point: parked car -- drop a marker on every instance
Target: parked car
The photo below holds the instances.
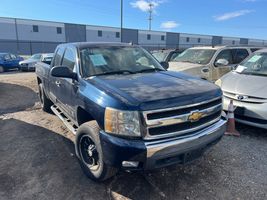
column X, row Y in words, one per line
column 210, row 63
column 29, row 64
column 247, row 87
column 166, row 55
column 126, row 111
column 9, row 61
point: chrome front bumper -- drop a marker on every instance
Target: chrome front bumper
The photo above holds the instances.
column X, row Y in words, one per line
column 174, row 150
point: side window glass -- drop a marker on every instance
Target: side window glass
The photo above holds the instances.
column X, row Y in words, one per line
column 58, row 57
column 225, row 54
column 7, row 57
column 69, row 59
column 13, row 56
column 239, row 55
column 174, row 55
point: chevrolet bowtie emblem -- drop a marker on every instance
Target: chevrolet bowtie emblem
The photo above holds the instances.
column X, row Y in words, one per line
column 195, row 116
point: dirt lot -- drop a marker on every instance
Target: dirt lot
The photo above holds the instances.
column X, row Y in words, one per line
column 38, row 162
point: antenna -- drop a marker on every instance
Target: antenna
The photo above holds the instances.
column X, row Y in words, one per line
column 150, row 14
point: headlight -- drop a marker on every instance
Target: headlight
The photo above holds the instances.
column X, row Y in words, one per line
column 121, row 122
column 219, row 82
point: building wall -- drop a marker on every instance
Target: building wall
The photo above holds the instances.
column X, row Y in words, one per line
column 130, row 35
column 230, row 41
column 172, row 40
column 7, row 29
column 190, row 40
column 256, row 42
column 109, row 34
column 75, row 33
column 156, row 37
column 47, row 31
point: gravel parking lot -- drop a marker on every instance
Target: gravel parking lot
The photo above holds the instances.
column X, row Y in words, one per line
column 38, row 161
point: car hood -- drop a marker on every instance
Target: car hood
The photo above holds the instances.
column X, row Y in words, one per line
column 250, row 85
column 157, row 90
column 28, row 61
column 186, row 67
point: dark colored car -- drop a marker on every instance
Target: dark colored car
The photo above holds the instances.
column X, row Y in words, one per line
column 127, row 111
column 166, row 55
column 9, row 61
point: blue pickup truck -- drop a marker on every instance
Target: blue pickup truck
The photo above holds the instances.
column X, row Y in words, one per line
column 9, row 61
column 126, row 110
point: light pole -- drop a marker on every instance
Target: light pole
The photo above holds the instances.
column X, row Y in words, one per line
column 121, row 18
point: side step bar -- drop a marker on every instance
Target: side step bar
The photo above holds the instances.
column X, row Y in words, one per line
column 68, row 123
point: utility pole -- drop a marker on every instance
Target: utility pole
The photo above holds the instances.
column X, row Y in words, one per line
column 121, row 19
column 150, row 15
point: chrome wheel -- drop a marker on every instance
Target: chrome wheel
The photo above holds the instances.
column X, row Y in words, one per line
column 89, row 153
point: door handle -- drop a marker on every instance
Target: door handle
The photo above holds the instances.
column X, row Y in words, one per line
column 205, row 70
column 58, row 83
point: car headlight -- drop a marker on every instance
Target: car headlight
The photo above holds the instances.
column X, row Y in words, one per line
column 122, row 122
column 219, row 82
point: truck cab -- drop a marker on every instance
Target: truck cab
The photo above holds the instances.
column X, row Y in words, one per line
column 126, row 110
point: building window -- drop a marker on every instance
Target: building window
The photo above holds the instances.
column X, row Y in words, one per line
column 99, row 33
column 162, row 37
column 117, row 34
column 35, row 28
column 187, row 39
column 233, row 42
column 198, row 40
column 59, row 30
column 148, row 37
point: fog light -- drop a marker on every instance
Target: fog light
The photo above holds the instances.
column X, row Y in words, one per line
column 130, row 164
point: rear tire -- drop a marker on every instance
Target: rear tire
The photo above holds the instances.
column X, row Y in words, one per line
column 46, row 103
column 2, row 69
column 89, row 152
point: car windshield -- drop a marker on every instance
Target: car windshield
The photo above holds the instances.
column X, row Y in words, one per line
column 199, row 56
column 254, row 65
column 117, row 60
column 36, row 56
column 160, row 55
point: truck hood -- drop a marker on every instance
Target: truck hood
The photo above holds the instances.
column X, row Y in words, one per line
column 186, row 67
column 250, row 85
column 157, row 90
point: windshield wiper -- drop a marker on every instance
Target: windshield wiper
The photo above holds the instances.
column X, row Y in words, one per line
column 115, row 72
column 149, row 70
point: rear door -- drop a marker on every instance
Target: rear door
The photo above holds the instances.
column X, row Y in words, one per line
column 55, row 86
column 14, row 61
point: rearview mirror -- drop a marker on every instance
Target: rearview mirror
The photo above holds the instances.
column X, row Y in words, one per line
column 222, row 62
column 63, row 72
column 164, row 64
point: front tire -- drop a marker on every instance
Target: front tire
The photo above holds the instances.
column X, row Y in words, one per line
column 46, row 103
column 89, row 152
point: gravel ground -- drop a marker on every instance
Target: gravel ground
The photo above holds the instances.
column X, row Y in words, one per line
column 38, row 162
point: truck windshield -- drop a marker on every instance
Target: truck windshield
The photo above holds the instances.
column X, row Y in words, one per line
column 254, row 65
column 199, row 56
column 117, row 60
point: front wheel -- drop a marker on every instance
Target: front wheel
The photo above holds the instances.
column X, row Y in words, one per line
column 89, row 152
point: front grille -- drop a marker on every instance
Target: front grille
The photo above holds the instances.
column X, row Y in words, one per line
column 177, row 121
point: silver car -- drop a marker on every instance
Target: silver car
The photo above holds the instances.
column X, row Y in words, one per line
column 247, row 87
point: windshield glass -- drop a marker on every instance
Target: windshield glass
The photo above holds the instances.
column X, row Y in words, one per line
column 36, row 56
column 254, row 65
column 199, row 56
column 160, row 55
column 115, row 59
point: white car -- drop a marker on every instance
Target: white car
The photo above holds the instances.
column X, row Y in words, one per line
column 247, row 87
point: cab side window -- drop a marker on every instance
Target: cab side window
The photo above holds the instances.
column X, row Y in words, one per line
column 58, row 57
column 13, row 56
column 69, row 59
column 239, row 55
column 225, row 54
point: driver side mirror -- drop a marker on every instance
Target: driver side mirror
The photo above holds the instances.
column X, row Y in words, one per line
column 222, row 62
column 63, row 72
column 164, row 64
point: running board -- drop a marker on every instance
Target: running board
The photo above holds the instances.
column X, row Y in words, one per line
column 68, row 123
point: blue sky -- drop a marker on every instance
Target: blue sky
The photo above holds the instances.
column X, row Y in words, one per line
column 241, row 18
